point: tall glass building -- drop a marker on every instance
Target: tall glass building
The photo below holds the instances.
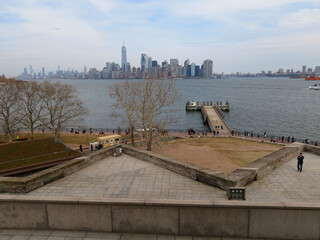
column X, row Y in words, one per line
column 123, row 58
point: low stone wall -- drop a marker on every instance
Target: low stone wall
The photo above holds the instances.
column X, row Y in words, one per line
column 238, row 178
column 38, row 179
column 200, row 218
column 311, row 149
column 205, row 175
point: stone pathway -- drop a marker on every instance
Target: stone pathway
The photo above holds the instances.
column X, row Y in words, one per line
column 286, row 184
column 24, row 234
column 128, row 177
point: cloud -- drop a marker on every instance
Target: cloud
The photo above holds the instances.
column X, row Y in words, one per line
column 74, row 33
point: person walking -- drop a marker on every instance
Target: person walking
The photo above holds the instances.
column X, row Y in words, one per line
column 300, row 162
column 80, row 147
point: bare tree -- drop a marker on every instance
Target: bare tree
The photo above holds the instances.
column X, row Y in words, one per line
column 156, row 100
column 10, row 107
column 31, row 106
column 61, row 106
column 125, row 105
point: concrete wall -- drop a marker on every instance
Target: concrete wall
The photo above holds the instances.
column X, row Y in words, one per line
column 38, row 179
column 202, row 218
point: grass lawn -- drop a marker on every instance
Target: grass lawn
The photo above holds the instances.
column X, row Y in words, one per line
column 26, row 153
column 219, row 153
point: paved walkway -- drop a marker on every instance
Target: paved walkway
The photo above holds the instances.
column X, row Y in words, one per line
column 14, row 234
column 128, row 177
column 286, row 184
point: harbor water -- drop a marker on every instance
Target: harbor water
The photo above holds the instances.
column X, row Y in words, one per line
column 278, row 106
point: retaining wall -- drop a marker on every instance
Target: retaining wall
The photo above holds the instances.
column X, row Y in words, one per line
column 238, row 178
column 38, row 179
column 202, row 218
column 311, row 149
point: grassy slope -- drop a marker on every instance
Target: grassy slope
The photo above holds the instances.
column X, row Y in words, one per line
column 32, row 152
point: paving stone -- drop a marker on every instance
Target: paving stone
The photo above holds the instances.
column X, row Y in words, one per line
column 208, row 238
column 5, row 237
column 20, row 237
column 165, row 237
column 55, row 238
column 183, row 238
column 42, row 233
column 26, row 232
column 128, row 236
column 103, row 235
column 62, row 233
column 38, row 237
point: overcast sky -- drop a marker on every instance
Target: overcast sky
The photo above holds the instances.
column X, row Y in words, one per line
column 238, row 35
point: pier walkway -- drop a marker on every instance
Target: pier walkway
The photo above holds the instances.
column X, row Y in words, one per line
column 211, row 115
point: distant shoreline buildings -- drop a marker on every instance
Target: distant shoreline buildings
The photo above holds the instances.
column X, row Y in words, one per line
column 152, row 69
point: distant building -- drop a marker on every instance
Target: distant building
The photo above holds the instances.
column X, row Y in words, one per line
column 174, row 62
column 193, row 69
column 123, row 58
column 304, row 69
column 43, row 72
column 197, row 71
column 154, row 64
column 144, row 62
column 207, row 68
column 188, row 71
column 31, row 70
column 185, row 65
column 317, row 69
column 150, row 62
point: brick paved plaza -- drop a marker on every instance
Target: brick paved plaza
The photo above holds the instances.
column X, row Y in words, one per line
column 128, row 177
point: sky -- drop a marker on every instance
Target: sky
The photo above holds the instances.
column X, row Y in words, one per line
column 238, row 35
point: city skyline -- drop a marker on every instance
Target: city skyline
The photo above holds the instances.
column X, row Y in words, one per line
column 240, row 36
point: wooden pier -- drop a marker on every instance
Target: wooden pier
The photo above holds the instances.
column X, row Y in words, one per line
column 212, row 114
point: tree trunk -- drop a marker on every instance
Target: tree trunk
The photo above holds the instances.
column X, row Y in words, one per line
column 10, row 133
column 149, row 140
column 32, row 132
column 132, row 135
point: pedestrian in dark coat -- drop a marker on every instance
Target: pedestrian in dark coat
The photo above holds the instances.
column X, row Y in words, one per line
column 300, row 162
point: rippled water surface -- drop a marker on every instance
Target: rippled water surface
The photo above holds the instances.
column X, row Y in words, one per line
column 278, row 106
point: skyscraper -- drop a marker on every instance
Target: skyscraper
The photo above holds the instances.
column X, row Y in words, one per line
column 174, row 62
column 144, row 62
column 43, row 72
column 150, row 62
column 31, row 69
column 123, row 58
column 304, row 68
column 207, row 68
